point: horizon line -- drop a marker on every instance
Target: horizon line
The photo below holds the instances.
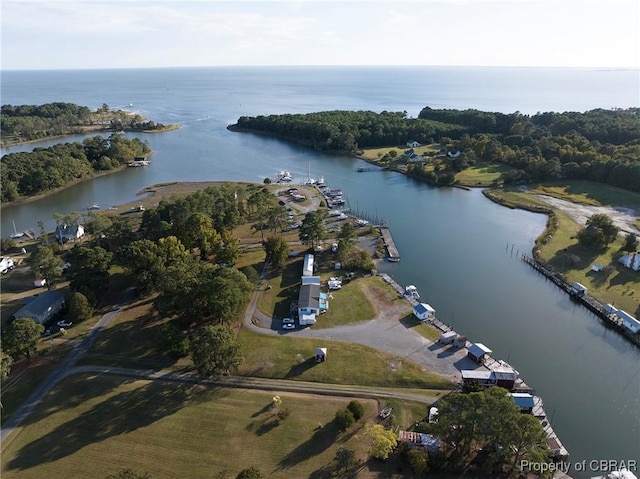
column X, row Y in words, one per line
column 583, row 67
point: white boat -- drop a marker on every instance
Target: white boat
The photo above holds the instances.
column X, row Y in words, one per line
column 16, row 234
column 412, row 292
column 94, row 207
column 320, row 181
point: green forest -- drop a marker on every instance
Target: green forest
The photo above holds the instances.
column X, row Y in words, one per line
column 599, row 145
column 43, row 169
column 34, row 122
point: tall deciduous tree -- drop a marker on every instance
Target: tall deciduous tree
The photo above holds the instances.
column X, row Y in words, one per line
column 598, row 232
column 79, row 307
column 312, row 230
column 380, row 441
column 22, row 337
column 89, row 271
column 277, row 251
column 45, row 264
column 214, row 350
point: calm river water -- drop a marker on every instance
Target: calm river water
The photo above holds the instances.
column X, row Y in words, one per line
column 458, row 248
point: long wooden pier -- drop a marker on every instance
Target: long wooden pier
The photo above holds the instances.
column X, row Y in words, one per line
column 589, row 302
column 392, row 251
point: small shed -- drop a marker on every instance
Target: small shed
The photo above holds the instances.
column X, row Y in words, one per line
column 321, row 355
column 424, row 312
column 448, row 337
column 579, row 289
column 433, row 414
column 413, row 144
column 478, row 352
column 628, row 322
column 524, row 401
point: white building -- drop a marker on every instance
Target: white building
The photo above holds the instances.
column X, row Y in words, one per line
column 424, row 312
column 6, row 264
column 307, row 268
column 628, row 321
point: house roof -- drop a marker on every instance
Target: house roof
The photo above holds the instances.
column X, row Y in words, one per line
column 476, row 374
column 309, row 296
column 523, row 400
column 478, row 349
column 39, row 304
column 311, row 280
column 423, row 308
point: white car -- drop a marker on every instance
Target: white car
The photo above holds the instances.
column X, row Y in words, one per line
column 64, row 324
column 289, row 326
column 287, row 321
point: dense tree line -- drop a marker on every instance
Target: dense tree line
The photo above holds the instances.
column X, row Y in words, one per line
column 33, row 122
column 598, row 145
column 43, row 169
column 348, row 130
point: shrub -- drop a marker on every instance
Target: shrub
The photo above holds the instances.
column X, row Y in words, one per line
column 344, row 419
column 356, row 408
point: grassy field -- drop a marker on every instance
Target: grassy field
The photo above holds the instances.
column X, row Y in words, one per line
column 293, row 358
column 616, row 284
column 374, row 154
column 589, row 193
column 481, row 175
column 90, row 426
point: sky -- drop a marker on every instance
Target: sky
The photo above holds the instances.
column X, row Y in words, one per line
column 68, row 34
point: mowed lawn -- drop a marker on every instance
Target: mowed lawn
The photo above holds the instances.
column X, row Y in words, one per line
column 91, row 426
column 282, row 357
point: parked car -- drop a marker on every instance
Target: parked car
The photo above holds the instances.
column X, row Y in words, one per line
column 289, row 326
column 64, row 324
column 287, row 321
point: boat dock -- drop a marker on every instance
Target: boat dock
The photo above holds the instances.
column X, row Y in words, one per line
column 589, row 302
column 491, row 364
column 392, row 251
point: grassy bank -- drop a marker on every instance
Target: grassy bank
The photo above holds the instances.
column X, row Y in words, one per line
column 558, row 245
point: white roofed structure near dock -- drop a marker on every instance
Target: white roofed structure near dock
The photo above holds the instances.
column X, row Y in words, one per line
column 423, row 311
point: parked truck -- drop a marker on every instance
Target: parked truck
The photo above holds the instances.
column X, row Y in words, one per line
column 6, row 264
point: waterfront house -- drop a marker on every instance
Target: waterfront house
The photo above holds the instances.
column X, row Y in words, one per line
column 307, row 267
column 42, row 307
column 501, row 377
column 424, row 312
column 524, row 401
column 413, row 144
column 478, row 352
column 631, row 261
column 66, row 233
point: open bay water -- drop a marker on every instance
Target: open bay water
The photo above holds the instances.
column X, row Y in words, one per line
column 457, row 247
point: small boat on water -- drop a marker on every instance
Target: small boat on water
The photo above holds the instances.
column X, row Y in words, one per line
column 16, row 234
column 94, row 207
column 412, row 292
column 320, row 181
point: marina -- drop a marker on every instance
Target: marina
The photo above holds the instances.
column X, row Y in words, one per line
column 489, row 366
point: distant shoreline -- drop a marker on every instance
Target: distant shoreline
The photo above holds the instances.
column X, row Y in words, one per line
column 87, row 131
